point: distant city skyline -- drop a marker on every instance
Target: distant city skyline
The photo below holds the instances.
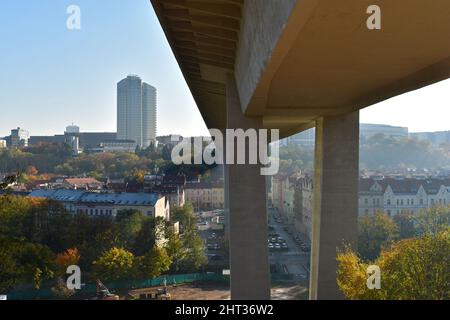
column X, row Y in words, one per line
column 52, row 76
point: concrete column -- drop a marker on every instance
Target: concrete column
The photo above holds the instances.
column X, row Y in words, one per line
column 226, row 201
column 249, row 254
column 335, row 199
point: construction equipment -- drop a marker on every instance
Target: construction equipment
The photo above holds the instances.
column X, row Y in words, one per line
column 103, row 292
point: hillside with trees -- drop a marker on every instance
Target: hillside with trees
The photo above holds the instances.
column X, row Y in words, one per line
column 377, row 152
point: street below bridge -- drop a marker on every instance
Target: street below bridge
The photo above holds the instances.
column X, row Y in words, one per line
column 294, row 260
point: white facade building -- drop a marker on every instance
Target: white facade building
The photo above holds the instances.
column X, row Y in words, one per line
column 136, row 111
column 389, row 195
column 119, row 146
column 96, row 204
column 394, row 196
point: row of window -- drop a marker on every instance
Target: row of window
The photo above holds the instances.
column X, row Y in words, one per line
column 96, row 212
column 389, row 212
column 409, row 202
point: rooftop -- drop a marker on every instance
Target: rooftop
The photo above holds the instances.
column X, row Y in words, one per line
column 134, row 199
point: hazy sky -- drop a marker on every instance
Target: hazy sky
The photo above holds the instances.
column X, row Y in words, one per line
column 51, row 76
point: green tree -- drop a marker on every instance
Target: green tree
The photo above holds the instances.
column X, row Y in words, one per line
column 146, row 237
column 185, row 216
column 10, row 271
column 193, row 257
column 129, row 224
column 38, row 263
column 433, row 220
column 375, row 232
column 154, row 263
column 115, row 264
column 405, row 224
column 411, row 269
column 23, row 262
column 175, row 250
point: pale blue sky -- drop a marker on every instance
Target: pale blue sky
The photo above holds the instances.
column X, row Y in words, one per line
column 50, row 76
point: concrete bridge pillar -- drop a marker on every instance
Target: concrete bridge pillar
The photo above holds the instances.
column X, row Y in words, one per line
column 335, row 210
column 246, row 195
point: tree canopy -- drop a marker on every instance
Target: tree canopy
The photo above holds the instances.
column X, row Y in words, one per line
column 411, row 269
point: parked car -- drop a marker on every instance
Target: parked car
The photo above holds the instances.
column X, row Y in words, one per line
column 217, row 257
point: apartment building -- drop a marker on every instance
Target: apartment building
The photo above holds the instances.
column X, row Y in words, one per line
column 169, row 186
column 97, row 204
column 292, row 197
column 402, row 194
column 205, row 195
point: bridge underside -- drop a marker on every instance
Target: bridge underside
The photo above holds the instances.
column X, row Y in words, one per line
column 297, row 64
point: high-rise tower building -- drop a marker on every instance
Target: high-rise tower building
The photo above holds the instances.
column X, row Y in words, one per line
column 19, row 138
column 136, row 111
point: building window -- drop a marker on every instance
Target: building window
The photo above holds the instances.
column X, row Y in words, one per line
column 389, row 213
column 389, row 202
